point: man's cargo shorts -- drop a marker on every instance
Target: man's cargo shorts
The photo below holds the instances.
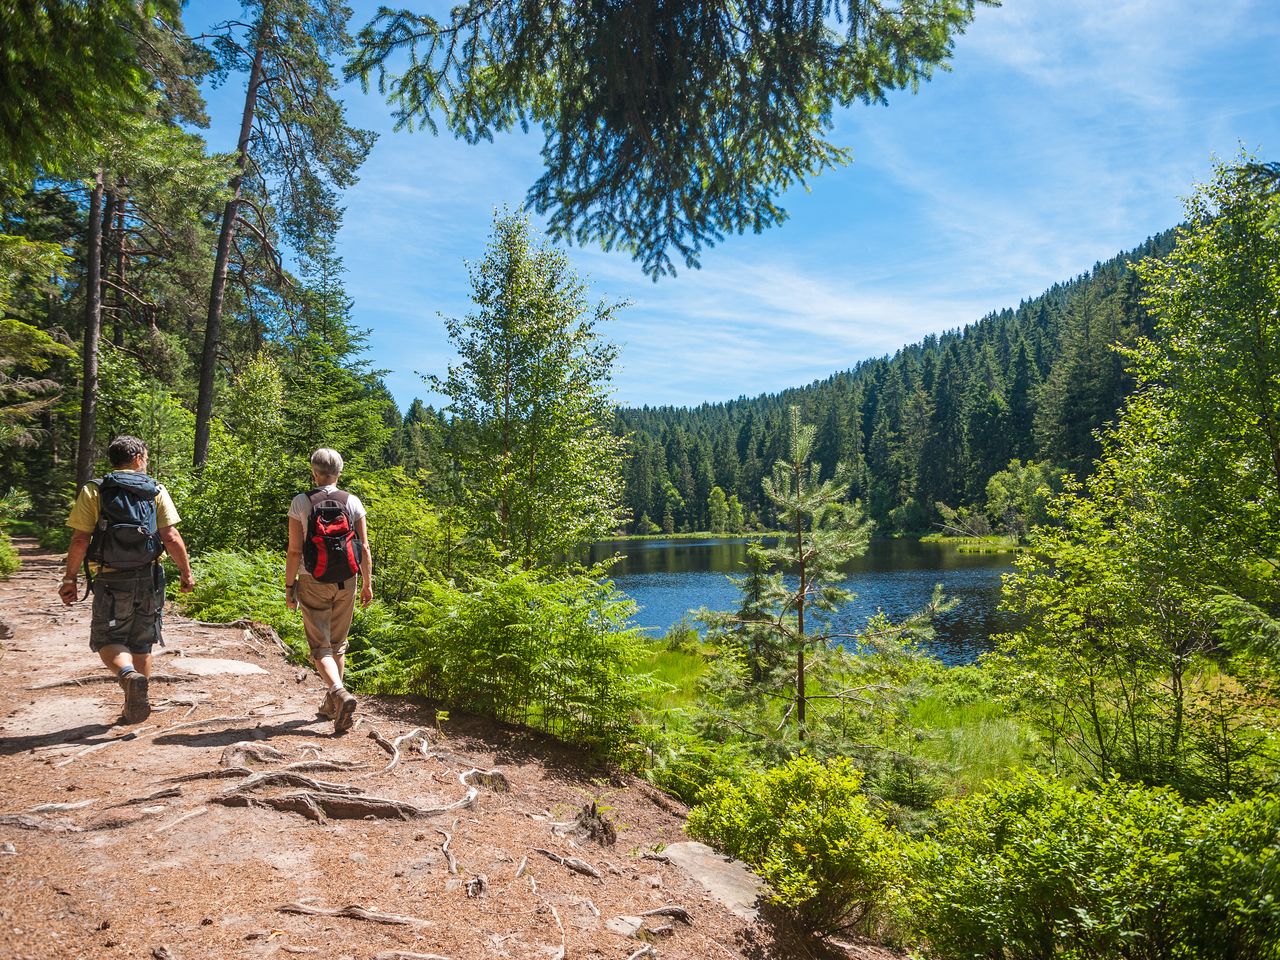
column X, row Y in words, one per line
column 127, row 609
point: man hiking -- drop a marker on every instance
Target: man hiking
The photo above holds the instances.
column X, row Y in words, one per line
column 120, row 525
column 329, row 541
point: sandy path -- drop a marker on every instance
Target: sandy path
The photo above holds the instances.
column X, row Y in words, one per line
column 115, row 878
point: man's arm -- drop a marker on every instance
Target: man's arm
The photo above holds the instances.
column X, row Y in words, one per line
column 292, row 561
column 366, row 563
column 177, row 550
column 67, row 590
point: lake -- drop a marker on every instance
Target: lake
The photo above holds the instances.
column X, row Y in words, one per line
column 666, row 578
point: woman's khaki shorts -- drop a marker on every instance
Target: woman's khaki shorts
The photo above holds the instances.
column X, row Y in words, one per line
column 326, row 614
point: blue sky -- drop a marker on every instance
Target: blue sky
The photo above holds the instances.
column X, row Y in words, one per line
column 1065, row 132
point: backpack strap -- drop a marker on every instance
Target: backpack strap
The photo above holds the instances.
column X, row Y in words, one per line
column 88, row 577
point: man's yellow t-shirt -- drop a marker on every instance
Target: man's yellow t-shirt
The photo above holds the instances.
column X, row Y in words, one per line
column 84, row 515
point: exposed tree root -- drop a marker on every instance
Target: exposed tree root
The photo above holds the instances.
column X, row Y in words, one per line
column 207, row 722
column 131, row 735
column 674, row 912
column 199, row 811
column 645, row 951
column 288, row 778
column 235, row 754
column 450, row 859
column 323, row 766
column 355, row 912
column 27, row 821
column 225, row 773
column 573, row 863
column 320, row 807
column 63, row 807
column 107, row 678
column 564, row 943
column 393, row 747
column 163, row 794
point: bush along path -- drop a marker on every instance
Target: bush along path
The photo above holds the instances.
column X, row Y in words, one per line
column 232, row 823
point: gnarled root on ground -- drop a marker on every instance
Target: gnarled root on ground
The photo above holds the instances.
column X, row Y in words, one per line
column 355, row 912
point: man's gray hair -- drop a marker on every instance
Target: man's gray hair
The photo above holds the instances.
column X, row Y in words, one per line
column 327, row 463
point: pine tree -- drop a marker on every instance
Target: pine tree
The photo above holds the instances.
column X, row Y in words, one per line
column 624, row 91
column 295, row 150
column 823, row 532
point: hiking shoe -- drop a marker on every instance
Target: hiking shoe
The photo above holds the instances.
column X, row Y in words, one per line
column 326, row 707
column 136, row 705
column 344, row 711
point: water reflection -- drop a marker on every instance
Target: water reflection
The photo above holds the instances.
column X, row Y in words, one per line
column 668, row 577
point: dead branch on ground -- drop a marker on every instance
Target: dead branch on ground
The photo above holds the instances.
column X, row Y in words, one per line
column 355, row 912
column 573, row 863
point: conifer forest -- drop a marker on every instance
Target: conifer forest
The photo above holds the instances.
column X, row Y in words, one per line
column 1102, row 781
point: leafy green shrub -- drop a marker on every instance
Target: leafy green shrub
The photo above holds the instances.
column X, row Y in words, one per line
column 1230, row 888
column 9, row 561
column 809, row 831
column 554, row 655
column 1038, row 869
column 235, row 584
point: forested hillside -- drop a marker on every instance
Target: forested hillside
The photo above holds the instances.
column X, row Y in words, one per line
column 929, row 425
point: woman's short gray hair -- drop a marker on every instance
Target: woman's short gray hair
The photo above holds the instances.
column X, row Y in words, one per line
column 327, row 463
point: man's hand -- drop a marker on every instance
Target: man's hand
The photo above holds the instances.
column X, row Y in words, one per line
column 67, row 592
column 366, row 593
column 187, row 583
column 291, row 597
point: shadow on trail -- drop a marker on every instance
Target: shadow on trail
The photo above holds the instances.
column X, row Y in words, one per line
column 226, row 737
column 81, row 736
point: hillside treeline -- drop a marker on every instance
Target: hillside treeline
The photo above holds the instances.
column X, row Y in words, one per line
column 929, row 425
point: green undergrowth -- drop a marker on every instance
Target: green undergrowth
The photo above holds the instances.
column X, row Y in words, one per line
column 9, row 561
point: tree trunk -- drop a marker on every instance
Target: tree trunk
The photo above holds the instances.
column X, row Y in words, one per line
column 213, row 325
column 92, row 331
column 117, row 241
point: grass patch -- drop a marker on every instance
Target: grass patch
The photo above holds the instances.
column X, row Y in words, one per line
column 976, row 741
column 677, row 671
column 699, row 535
column 991, row 544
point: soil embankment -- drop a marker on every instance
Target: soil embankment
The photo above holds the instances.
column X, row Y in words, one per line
column 232, row 823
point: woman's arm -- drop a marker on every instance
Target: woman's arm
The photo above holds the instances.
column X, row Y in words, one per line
column 292, row 561
column 366, row 563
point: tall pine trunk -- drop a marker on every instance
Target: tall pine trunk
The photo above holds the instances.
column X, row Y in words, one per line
column 92, row 332
column 213, row 325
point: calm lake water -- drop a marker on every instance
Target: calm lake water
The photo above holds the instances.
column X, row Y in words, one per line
column 666, row 578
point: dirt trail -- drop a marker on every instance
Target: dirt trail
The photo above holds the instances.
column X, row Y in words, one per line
column 134, row 862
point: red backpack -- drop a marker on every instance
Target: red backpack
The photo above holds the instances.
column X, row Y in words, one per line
column 331, row 552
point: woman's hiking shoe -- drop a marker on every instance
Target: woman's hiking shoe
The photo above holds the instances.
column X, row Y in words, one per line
column 344, row 710
column 326, row 707
column 136, row 705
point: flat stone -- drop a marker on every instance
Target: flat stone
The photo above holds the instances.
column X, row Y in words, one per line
column 212, row 666
column 625, row 926
column 726, row 879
